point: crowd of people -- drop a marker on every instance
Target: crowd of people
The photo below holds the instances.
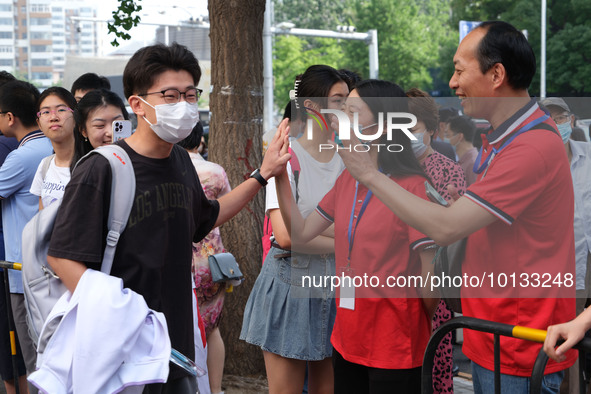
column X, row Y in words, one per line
column 520, row 201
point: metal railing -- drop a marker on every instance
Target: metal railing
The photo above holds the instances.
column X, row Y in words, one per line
column 498, row 330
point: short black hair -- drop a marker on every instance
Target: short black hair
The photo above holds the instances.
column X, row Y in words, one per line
column 463, row 125
column 445, row 114
column 504, row 44
column 351, row 77
column 193, row 140
column 578, row 134
column 5, row 76
column 90, row 81
column 150, row 62
column 20, row 98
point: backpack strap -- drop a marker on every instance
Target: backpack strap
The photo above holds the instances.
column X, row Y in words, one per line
column 122, row 197
column 45, row 166
column 546, row 126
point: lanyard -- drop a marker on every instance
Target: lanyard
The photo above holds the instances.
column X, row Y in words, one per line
column 352, row 231
column 525, row 128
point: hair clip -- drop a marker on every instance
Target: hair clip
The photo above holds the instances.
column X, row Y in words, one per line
column 293, row 94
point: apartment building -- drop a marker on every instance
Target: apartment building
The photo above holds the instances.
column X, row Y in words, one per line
column 36, row 36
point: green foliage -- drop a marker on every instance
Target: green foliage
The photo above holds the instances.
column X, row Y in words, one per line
column 411, row 36
column 569, row 62
column 314, row 14
column 293, row 55
column 568, row 49
column 124, row 18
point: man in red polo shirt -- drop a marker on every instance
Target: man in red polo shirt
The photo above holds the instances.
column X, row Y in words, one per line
column 518, row 215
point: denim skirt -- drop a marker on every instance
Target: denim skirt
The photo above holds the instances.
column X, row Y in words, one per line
column 285, row 313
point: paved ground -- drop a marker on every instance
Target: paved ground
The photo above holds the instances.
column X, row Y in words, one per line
column 242, row 385
column 255, row 385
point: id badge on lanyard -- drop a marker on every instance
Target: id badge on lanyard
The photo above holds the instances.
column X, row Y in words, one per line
column 347, row 289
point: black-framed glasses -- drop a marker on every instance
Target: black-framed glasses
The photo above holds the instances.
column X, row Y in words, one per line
column 4, row 112
column 173, row 96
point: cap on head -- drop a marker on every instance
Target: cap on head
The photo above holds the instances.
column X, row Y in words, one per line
column 556, row 101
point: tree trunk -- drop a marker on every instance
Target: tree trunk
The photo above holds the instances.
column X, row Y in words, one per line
column 235, row 142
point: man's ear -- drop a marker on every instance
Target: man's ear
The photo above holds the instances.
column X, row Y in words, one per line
column 498, row 75
column 11, row 119
column 135, row 103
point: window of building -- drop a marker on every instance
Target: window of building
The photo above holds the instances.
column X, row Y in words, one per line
column 40, row 35
column 40, row 62
column 40, row 8
column 6, row 7
column 38, row 75
column 40, row 48
column 5, row 49
column 5, row 21
column 5, row 62
column 38, row 21
column 5, row 34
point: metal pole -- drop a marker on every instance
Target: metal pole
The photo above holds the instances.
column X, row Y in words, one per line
column 268, row 68
column 497, row 362
column 374, row 64
column 167, row 35
column 543, row 52
column 11, row 330
column 29, row 54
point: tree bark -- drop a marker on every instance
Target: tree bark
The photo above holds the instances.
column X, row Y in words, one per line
column 235, row 142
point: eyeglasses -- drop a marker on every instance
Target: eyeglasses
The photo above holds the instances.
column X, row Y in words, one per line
column 46, row 113
column 173, row 96
column 560, row 119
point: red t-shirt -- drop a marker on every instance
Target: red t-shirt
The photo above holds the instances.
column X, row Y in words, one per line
column 388, row 333
column 528, row 187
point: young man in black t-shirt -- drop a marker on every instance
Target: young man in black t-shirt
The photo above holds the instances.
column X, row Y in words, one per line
column 170, row 210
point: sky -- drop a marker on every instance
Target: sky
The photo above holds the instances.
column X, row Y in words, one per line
column 153, row 12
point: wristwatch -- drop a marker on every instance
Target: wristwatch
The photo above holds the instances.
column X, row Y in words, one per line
column 256, row 174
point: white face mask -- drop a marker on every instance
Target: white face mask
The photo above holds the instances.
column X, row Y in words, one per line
column 174, row 122
column 418, row 146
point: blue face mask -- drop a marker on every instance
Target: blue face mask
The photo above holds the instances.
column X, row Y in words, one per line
column 418, row 146
column 565, row 131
